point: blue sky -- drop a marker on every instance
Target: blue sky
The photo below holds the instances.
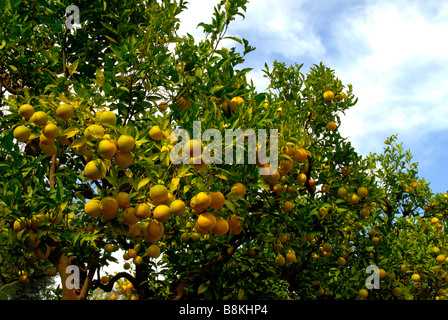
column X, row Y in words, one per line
column 394, row 53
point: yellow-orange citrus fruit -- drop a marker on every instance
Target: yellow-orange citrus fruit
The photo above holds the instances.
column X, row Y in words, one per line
column 206, row 221
column 39, row 118
column 155, row 133
column 26, row 110
column 129, row 217
column 142, row 211
column 221, row 226
column 162, row 213
column 363, row 293
column 123, row 199
column 327, row 247
column 353, row 198
column 328, row 95
column 49, row 149
column 198, row 162
column 217, row 200
column 94, row 131
column 341, row 261
column 203, row 200
column 44, row 140
column 155, row 229
column 291, row 256
column 301, row 179
column 132, row 253
column 288, row 206
column 153, row 251
column 440, row 258
column 125, row 143
column 51, row 131
column 362, row 191
column 158, row 193
column 280, row 260
column 286, row 165
column 235, row 224
column 108, row 117
column 94, row 171
column 193, row 148
column 107, row 149
column 239, row 189
column 340, row 96
column 365, row 212
column 177, row 207
column 234, row 102
column 109, row 208
column 93, row 208
column 123, row 159
column 331, row 125
column 199, row 229
column 22, row 133
column 415, row 277
column 342, row 192
column 300, row 155
column 65, row 111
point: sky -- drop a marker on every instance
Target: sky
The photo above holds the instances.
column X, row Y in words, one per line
column 394, row 53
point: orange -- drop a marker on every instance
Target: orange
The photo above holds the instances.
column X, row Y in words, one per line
column 331, row 125
column 129, row 217
column 239, row 189
column 177, row 207
column 217, row 200
column 51, row 131
column 132, row 253
column 193, row 148
column 415, row 277
column 363, row 293
column 44, row 140
column 280, row 260
column 22, row 133
column 340, row 96
column 108, row 117
column 123, row 159
column 162, row 213
column 94, row 171
column 65, row 111
column 155, row 229
column 353, row 198
column 286, row 165
column 125, row 143
column 109, row 208
column 328, row 96
column 288, row 206
column 39, row 118
column 155, row 133
column 123, row 199
column 93, row 208
column 26, row 110
column 107, row 149
column 235, row 224
column 158, row 193
column 206, row 221
column 153, row 251
column 203, row 200
column 362, row 191
column 142, row 211
column 291, row 256
column 49, row 149
column 342, row 192
column 300, row 155
column 221, row 227
column 94, row 131
column 234, row 102
column 341, row 261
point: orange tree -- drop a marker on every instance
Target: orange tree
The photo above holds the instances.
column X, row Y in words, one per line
column 89, row 123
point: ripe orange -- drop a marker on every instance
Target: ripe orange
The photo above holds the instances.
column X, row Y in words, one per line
column 341, row 261
column 132, row 253
column 365, row 212
column 239, row 189
column 203, row 200
column 440, row 258
column 234, row 102
column 342, row 192
column 217, row 200
column 235, row 224
column 193, row 148
column 177, row 207
column 22, row 133
column 107, row 149
column 162, row 213
column 291, row 256
column 158, row 193
column 39, row 118
column 280, row 260
column 340, row 96
column 301, row 179
column 155, row 133
column 51, row 131
column 123, row 159
column 94, row 171
column 142, row 211
column 49, row 149
column 331, row 125
column 65, row 111
column 155, row 229
column 94, row 131
column 415, row 277
column 153, row 251
column 300, row 155
column 328, row 96
column 108, row 117
column 362, row 191
column 44, row 140
column 92, row 208
column 125, row 143
column 353, row 198
column 221, row 226
column 129, row 217
column 363, row 293
column 288, row 206
column 26, row 110
column 206, row 221
column 123, row 199
column 109, row 208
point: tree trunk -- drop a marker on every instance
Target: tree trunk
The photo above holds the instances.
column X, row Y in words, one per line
column 61, row 262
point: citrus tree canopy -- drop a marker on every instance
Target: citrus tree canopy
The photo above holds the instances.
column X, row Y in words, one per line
column 93, row 114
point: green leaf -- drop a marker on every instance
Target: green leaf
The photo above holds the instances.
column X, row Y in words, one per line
column 202, row 288
column 100, row 77
column 72, row 68
column 142, row 183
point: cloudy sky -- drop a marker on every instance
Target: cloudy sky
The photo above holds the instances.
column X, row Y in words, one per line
column 394, row 53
